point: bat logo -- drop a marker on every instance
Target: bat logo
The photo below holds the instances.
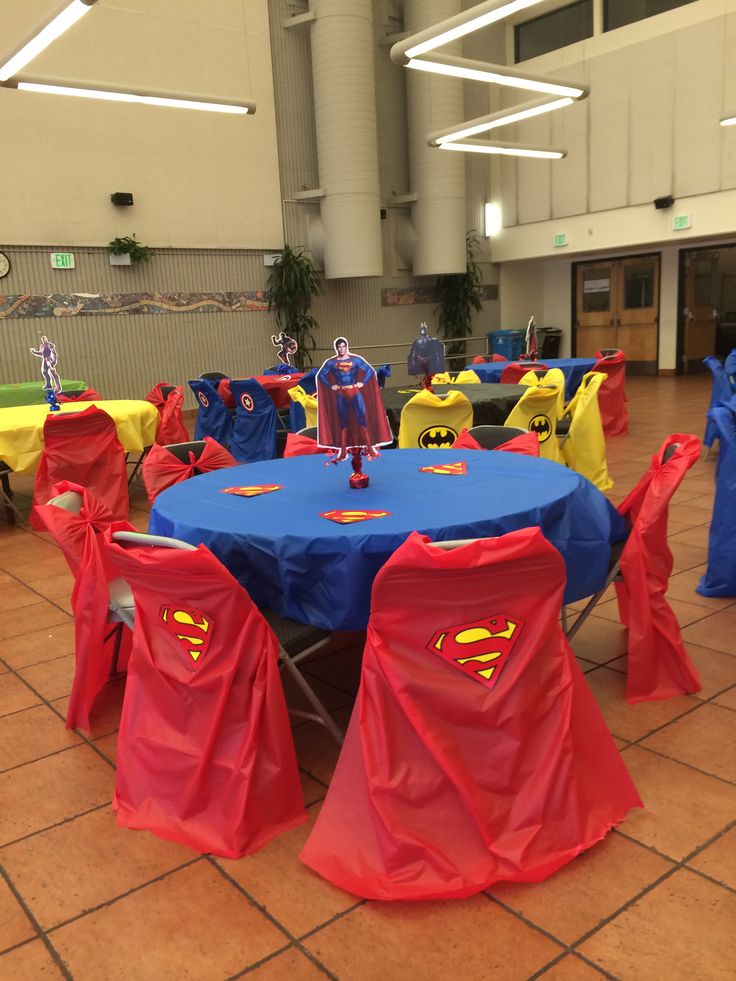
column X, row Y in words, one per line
column 191, row 628
column 437, row 438
column 252, row 490
column 247, row 402
column 204, row 401
column 452, row 469
column 541, row 425
column 479, row 649
column 350, row 517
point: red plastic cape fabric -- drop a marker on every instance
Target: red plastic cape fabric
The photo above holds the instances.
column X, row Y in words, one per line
column 171, row 428
column 297, row 445
column 84, row 447
column 658, row 666
column 526, row 444
column 475, row 752
column 515, row 371
column 205, row 754
column 78, row 536
column 612, row 394
column 88, row 395
column 161, row 469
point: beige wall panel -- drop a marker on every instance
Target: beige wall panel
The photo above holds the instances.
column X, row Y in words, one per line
column 535, row 177
column 609, row 131
column 570, row 175
column 653, row 69
column 728, row 108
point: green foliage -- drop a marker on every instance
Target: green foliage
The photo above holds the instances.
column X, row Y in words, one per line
column 130, row 245
column 458, row 295
column 292, row 283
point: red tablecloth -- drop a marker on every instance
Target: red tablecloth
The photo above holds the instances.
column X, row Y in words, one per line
column 277, row 387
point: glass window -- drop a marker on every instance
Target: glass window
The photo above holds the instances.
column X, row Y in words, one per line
column 554, row 30
column 596, row 290
column 616, row 13
column 638, row 286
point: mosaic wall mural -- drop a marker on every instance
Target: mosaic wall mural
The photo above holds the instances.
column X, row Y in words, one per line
column 406, row 295
column 96, row 304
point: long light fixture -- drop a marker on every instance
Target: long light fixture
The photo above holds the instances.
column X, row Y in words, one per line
column 728, row 121
column 497, row 119
column 506, row 149
column 146, row 99
column 481, row 71
column 46, row 36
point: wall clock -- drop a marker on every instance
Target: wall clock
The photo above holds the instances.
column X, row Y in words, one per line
column 4, row 265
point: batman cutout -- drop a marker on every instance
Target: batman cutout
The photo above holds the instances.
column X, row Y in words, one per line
column 542, row 427
column 438, row 438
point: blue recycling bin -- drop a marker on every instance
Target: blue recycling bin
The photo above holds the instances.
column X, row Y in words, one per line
column 509, row 343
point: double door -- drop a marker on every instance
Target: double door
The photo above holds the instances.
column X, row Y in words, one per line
column 617, row 306
column 700, row 316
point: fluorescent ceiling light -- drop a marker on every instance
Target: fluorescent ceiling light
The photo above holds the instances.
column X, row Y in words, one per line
column 61, row 23
column 503, row 118
column 728, row 121
column 505, row 149
column 456, row 27
column 239, row 108
column 495, row 74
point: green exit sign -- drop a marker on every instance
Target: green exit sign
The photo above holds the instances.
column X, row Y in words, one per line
column 560, row 240
column 681, row 222
column 62, row 260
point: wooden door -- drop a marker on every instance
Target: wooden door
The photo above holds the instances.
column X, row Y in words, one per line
column 700, row 314
column 595, row 291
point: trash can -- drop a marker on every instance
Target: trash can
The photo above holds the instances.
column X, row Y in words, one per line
column 549, row 342
column 509, row 343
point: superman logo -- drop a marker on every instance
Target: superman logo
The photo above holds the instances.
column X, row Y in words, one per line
column 246, row 401
column 437, row 438
column 204, row 401
column 350, row 517
column 541, row 425
column 191, row 628
column 252, row 490
column 479, row 649
column 452, row 469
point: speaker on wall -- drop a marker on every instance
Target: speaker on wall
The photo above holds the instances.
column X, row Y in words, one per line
column 666, row 202
column 124, row 198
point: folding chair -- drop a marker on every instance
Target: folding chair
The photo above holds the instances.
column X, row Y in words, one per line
column 430, row 421
column 213, row 376
column 583, row 443
column 720, row 392
column 612, row 394
column 205, row 753
column 514, row 372
column 169, row 399
column 719, row 578
column 491, row 437
column 256, row 422
column 213, row 416
column 537, row 412
column 12, row 514
column 87, row 395
column 475, row 752
column 168, row 465
column 658, row 665
column 729, row 366
column 83, row 447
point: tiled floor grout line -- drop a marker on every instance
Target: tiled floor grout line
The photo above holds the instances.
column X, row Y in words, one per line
column 257, row 964
column 56, row 957
column 50, row 827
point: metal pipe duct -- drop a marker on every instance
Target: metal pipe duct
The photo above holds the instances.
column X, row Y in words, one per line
column 438, row 179
column 343, row 78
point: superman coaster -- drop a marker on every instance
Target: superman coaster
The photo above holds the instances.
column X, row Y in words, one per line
column 350, row 517
column 253, row 490
column 451, row 469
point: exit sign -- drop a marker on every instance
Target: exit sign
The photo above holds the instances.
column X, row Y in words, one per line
column 681, row 222
column 62, row 260
column 560, row 239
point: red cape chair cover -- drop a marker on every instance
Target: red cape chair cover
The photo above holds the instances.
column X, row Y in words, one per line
column 83, row 446
column 171, row 428
column 161, row 469
column 297, row 445
column 205, row 753
column 448, row 780
column 513, row 373
column 78, row 536
column 658, row 666
column 481, row 359
column 527, row 444
column 612, row 394
column 88, row 395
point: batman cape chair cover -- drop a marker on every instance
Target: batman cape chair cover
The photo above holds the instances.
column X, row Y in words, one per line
column 612, row 394
column 432, row 421
column 475, row 752
column 205, row 753
column 84, row 447
column 720, row 574
column 256, row 422
column 162, row 468
column 169, row 400
column 720, row 392
column 303, row 411
column 466, row 377
column 95, row 643
column 658, row 665
column 584, row 446
column 537, row 412
column 213, row 416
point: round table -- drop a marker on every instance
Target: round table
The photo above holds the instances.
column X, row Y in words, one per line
column 491, row 403
column 21, row 428
column 572, row 368
column 319, row 572
column 277, row 387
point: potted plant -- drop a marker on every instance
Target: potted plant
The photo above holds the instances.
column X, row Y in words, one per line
column 458, row 295
column 126, row 250
column 292, row 282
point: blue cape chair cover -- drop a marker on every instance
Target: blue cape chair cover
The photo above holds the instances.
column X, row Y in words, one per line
column 383, row 373
column 729, row 366
column 720, row 575
column 721, row 392
column 213, row 416
column 256, row 422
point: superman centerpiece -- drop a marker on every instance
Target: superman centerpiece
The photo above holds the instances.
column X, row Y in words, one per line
column 350, row 413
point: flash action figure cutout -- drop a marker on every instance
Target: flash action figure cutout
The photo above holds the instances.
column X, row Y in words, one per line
column 46, row 351
column 350, row 413
column 426, row 357
column 286, row 347
column 530, row 343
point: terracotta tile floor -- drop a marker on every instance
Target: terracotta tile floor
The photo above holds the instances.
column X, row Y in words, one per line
column 81, row 898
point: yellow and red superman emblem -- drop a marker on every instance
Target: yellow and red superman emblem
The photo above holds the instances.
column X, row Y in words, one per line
column 191, row 628
column 479, row 649
column 453, row 469
column 252, row 490
column 349, row 517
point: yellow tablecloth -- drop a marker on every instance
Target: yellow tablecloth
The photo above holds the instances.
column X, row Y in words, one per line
column 21, row 428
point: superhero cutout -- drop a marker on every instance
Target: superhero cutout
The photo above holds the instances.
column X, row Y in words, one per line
column 350, row 413
column 530, row 343
column 286, row 347
column 426, row 357
column 46, row 351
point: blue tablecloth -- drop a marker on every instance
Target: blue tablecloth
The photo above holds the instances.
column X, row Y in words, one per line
column 316, row 571
column 572, row 368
